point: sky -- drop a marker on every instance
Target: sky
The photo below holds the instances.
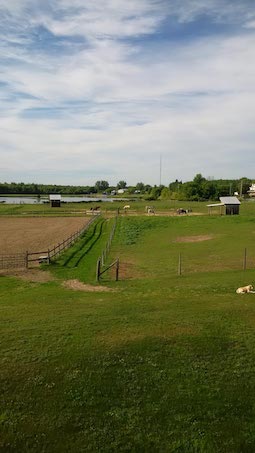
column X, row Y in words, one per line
column 108, row 89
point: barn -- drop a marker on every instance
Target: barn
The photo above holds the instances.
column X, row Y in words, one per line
column 55, row 200
column 227, row 206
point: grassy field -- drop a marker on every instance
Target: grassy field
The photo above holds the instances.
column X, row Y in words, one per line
column 162, row 206
column 106, row 207
column 158, row 363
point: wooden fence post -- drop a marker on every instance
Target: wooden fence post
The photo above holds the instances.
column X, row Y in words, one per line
column 48, row 256
column 245, row 259
column 117, row 269
column 98, row 269
column 180, row 265
column 26, row 259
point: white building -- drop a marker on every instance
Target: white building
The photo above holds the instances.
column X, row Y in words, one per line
column 251, row 190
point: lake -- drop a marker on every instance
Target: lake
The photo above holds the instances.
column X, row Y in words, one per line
column 42, row 200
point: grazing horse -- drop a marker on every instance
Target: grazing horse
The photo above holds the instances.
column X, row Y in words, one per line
column 95, row 209
column 126, row 208
column 181, row 211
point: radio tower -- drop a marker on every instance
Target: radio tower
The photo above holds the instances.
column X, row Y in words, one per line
column 160, row 169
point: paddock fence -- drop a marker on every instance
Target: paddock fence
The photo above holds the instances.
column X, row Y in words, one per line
column 244, row 260
column 25, row 260
column 101, row 262
column 17, row 261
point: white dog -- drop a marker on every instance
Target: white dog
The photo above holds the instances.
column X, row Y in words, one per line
column 245, row 289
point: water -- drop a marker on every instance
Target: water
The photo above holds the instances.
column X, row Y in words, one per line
column 42, row 200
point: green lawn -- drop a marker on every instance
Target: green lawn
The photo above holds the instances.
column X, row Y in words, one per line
column 79, row 262
column 164, row 363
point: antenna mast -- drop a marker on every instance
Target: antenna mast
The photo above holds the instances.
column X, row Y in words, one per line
column 160, row 169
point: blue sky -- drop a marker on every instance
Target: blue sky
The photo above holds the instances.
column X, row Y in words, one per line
column 102, row 89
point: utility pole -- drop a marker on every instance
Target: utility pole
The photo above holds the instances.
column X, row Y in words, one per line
column 160, row 169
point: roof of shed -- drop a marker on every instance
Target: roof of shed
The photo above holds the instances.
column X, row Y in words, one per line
column 214, row 204
column 229, row 200
column 55, row 197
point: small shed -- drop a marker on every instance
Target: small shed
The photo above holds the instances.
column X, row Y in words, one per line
column 55, row 200
column 227, row 205
column 232, row 205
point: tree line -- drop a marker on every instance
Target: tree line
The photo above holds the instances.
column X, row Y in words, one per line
column 199, row 189
column 202, row 189
column 43, row 189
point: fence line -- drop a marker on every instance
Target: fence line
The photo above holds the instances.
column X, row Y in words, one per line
column 22, row 260
column 102, row 259
column 17, row 261
column 242, row 260
column 47, row 255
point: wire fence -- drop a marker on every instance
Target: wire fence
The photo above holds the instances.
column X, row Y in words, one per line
column 101, row 262
column 24, row 260
column 244, row 260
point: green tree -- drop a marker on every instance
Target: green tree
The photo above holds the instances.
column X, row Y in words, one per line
column 198, row 180
column 101, row 186
column 243, row 185
column 165, row 194
column 194, row 190
column 140, row 186
column 209, row 190
column 121, row 185
column 155, row 193
column 147, row 188
column 175, row 186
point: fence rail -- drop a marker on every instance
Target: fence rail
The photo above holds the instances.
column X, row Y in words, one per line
column 13, row 261
column 23, row 260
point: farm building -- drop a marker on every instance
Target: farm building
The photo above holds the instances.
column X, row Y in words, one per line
column 55, row 200
column 251, row 190
column 232, row 205
column 227, row 205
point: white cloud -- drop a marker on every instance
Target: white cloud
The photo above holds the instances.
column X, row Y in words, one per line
column 250, row 24
column 117, row 105
column 219, row 10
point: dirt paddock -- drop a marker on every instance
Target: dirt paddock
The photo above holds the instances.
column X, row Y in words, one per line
column 18, row 235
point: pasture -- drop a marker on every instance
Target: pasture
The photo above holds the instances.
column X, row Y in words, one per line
column 156, row 363
column 107, row 208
